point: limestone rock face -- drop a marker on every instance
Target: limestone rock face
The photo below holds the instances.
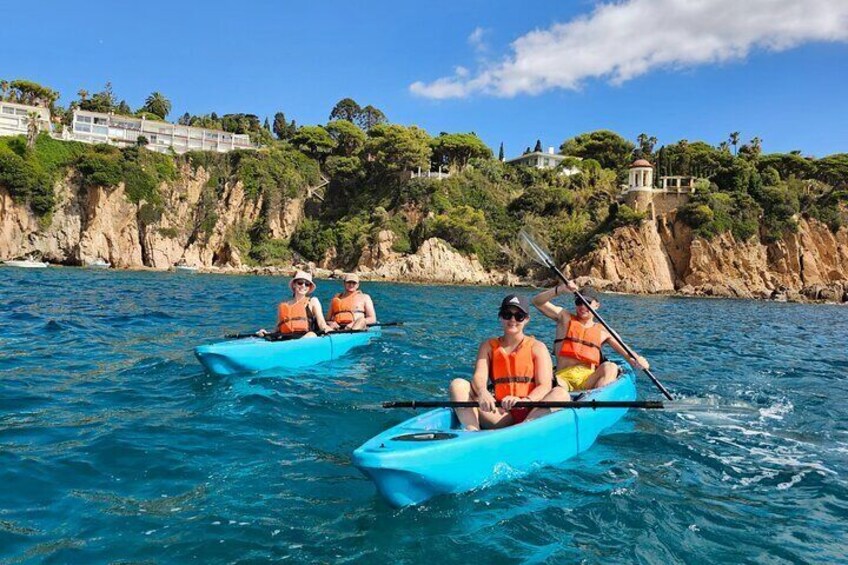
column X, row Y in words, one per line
column 283, row 224
column 101, row 223
column 434, row 262
column 665, row 256
column 380, row 253
column 109, row 228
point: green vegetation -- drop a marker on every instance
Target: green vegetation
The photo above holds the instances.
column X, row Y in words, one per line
column 30, row 173
column 367, row 162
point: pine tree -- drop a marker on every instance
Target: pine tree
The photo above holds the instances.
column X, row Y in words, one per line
column 501, row 153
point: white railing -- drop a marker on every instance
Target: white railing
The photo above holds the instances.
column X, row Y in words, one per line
column 438, row 175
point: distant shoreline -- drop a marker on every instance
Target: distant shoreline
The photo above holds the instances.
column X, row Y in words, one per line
column 327, row 275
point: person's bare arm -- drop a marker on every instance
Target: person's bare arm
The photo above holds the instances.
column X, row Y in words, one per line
column 481, row 378
column 544, row 372
column 315, row 305
column 370, row 313
column 331, row 324
column 543, row 304
column 637, row 362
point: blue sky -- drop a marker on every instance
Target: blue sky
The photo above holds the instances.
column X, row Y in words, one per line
column 548, row 70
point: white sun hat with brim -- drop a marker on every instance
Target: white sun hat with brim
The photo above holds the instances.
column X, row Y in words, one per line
column 302, row 275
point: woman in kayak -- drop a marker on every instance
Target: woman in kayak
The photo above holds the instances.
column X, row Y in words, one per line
column 301, row 313
column 518, row 367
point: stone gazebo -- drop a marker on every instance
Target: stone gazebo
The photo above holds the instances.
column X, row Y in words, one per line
column 641, row 195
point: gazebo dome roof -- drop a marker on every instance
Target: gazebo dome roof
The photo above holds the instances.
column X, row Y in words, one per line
column 640, row 163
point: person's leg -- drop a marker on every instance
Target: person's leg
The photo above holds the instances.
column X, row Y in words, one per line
column 606, row 374
column 473, row 419
column 500, row 418
column 358, row 325
column 460, row 391
column 309, row 334
column 557, row 394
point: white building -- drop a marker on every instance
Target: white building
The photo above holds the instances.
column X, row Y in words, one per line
column 14, row 118
column 96, row 127
column 540, row 160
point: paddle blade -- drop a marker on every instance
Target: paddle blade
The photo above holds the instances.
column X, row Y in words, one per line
column 535, row 250
column 712, row 406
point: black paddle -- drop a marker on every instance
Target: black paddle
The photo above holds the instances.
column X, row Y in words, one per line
column 534, row 249
column 647, row 404
column 693, row 405
column 276, row 336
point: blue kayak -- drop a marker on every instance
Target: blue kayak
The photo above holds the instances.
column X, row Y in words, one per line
column 251, row 355
column 429, row 455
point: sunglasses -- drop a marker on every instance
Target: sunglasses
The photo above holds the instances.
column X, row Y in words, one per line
column 578, row 302
column 301, row 282
column 508, row 315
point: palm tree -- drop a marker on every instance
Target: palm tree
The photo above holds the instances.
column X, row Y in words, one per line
column 83, row 94
column 4, row 88
column 757, row 145
column 157, row 104
column 724, row 147
column 33, row 128
column 734, row 140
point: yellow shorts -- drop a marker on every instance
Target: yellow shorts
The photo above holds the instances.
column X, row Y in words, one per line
column 574, row 378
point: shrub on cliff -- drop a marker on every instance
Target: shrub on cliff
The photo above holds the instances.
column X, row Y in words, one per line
column 271, row 252
column 624, row 215
column 465, row 229
column 780, row 205
column 312, row 239
column 712, row 214
column 29, row 174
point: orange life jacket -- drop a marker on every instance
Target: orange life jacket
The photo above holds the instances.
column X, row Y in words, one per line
column 582, row 343
column 343, row 310
column 293, row 318
column 513, row 374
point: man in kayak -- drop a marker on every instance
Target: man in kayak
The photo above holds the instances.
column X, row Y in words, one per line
column 580, row 365
column 351, row 309
column 516, row 365
column 302, row 313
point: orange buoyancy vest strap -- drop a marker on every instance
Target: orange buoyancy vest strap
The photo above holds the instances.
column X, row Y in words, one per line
column 344, row 310
column 293, row 317
column 582, row 343
column 513, row 374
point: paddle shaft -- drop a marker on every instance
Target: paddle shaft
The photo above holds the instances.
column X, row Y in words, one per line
column 612, row 332
column 647, row 404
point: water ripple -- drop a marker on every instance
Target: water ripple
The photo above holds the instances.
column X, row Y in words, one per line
column 116, row 447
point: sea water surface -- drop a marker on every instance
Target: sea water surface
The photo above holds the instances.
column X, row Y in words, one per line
column 116, row 447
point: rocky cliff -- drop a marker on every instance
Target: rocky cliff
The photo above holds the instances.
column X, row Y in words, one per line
column 101, row 223
column 665, row 256
column 435, row 261
column 662, row 256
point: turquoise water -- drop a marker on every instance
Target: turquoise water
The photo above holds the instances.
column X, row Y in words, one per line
column 115, row 447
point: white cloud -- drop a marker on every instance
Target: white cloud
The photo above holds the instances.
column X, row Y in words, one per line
column 621, row 41
column 476, row 40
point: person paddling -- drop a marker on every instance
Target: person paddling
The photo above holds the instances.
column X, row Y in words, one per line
column 580, row 364
column 518, row 366
column 351, row 309
column 301, row 313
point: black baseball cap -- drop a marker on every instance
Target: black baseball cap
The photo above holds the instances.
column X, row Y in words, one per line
column 516, row 301
column 589, row 294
